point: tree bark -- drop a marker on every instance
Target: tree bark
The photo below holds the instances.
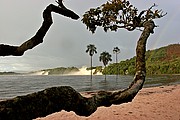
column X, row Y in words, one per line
column 6, row 50
column 66, row 98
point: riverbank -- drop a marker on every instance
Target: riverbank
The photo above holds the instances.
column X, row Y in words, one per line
column 155, row 103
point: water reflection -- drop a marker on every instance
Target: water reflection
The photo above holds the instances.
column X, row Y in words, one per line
column 11, row 86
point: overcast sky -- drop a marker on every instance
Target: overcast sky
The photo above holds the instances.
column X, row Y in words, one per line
column 66, row 41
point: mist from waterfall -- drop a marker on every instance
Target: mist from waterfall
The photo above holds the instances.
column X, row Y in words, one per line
column 83, row 71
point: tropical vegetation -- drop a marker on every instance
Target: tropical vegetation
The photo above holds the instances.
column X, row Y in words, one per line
column 165, row 60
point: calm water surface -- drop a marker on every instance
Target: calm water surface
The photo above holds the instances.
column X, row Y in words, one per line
column 11, row 86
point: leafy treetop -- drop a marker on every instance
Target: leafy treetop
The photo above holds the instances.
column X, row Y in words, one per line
column 119, row 14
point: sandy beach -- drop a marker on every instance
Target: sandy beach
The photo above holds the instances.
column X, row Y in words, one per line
column 156, row 103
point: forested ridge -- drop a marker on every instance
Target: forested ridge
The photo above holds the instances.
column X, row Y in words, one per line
column 164, row 60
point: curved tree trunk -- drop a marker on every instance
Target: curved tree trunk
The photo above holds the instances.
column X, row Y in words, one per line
column 65, row 97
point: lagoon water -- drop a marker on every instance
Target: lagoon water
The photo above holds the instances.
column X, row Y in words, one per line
column 17, row 85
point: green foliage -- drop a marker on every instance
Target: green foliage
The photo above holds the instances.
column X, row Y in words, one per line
column 98, row 69
column 124, row 67
column 105, row 57
column 116, row 50
column 91, row 49
column 158, row 61
column 165, row 67
column 155, row 55
column 118, row 14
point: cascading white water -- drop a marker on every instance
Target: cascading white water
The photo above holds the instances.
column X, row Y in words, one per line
column 83, row 71
column 40, row 73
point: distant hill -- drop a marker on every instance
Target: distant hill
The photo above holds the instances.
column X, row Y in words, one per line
column 164, row 54
column 9, row 73
column 56, row 71
column 164, row 60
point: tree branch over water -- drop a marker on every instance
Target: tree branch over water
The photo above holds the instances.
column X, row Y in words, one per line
column 55, row 99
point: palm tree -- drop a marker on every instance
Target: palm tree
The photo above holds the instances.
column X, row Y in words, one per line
column 105, row 57
column 91, row 49
column 116, row 51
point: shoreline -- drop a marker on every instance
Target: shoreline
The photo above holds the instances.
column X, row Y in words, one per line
column 153, row 103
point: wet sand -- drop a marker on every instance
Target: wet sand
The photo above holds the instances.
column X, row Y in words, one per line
column 155, row 103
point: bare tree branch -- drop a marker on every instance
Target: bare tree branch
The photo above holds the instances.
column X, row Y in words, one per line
column 6, row 50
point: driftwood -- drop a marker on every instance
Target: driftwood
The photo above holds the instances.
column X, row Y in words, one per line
column 65, row 97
